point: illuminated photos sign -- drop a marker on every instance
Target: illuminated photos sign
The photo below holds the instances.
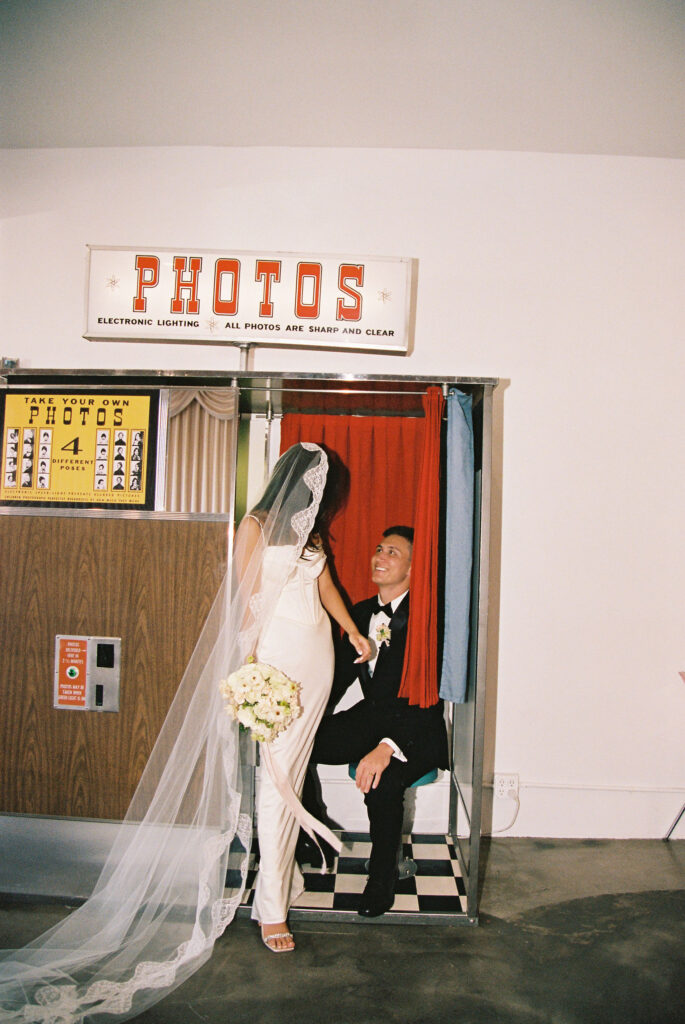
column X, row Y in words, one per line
column 229, row 298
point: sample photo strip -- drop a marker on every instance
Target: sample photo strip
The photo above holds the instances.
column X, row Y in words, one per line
column 10, row 467
column 28, row 452
column 101, row 459
column 135, row 472
column 119, row 461
column 44, row 452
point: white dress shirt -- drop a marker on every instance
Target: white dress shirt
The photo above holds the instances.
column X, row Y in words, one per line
column 381, row 619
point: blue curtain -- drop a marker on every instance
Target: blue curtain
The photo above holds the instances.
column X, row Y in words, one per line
column 458, row 545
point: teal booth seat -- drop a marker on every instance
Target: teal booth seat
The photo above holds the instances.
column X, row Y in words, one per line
column 425, row 780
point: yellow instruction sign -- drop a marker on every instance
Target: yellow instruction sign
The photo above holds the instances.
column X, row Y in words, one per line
column 78, row 448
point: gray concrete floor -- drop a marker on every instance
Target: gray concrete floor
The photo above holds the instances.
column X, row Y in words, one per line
column 570, row 931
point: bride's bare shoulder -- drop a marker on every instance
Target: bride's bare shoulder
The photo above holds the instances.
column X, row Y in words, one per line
column 251, row 527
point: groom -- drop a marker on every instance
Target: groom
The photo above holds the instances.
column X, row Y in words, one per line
column 394, row 743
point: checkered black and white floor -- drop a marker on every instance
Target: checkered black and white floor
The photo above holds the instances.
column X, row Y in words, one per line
column 437, row 889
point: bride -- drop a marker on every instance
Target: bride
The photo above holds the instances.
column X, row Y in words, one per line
column 161, row 899
column 297, row 640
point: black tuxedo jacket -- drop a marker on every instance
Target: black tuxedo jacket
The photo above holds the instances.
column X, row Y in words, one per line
column 419, row 732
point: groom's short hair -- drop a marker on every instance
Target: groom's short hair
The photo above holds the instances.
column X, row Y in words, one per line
column 401, row 531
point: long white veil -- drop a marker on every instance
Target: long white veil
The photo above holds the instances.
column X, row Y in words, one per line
column 161, row 900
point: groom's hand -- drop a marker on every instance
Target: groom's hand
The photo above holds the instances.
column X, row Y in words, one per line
column 371, row 767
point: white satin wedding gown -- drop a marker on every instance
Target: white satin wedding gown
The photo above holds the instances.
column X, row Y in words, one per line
column 297, row 640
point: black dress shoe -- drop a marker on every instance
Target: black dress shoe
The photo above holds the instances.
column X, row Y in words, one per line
column 307, row 852
column 377, row 898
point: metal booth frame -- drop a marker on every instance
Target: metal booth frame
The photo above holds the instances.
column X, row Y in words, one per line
column 267, row 395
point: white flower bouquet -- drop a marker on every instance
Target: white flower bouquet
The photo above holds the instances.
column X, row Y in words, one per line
column 262, row 699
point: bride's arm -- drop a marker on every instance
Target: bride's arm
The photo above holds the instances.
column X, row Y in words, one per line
column 248, row 536
column 335, row 606
column 248, row 539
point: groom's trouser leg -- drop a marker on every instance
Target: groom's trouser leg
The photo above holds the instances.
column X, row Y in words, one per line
column 310, row 793
column 349, row 736
column 340, row 739
column 385, row 806
column 344, row 737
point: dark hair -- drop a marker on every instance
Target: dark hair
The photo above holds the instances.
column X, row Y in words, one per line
column 335, row 495
column 401, row 531
column 289, row 471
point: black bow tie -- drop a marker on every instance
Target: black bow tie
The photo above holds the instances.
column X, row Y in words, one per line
column 387, row 608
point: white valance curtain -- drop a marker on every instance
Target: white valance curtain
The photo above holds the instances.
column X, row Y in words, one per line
column 201, row 453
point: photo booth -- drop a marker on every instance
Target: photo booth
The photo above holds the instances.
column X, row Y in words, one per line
column 145, row 574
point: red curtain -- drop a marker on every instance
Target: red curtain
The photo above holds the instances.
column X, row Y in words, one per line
column 393, row 464
column 381, row 455
column 420, row 673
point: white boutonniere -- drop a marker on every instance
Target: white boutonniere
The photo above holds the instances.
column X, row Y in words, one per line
column 383, row 635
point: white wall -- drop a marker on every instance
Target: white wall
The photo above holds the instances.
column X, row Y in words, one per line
column 563, row 76
column 562, row 275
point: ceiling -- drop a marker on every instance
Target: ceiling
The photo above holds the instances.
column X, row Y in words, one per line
column 561, row 76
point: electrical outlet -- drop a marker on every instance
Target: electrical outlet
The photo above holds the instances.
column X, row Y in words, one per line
column 506, row 785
